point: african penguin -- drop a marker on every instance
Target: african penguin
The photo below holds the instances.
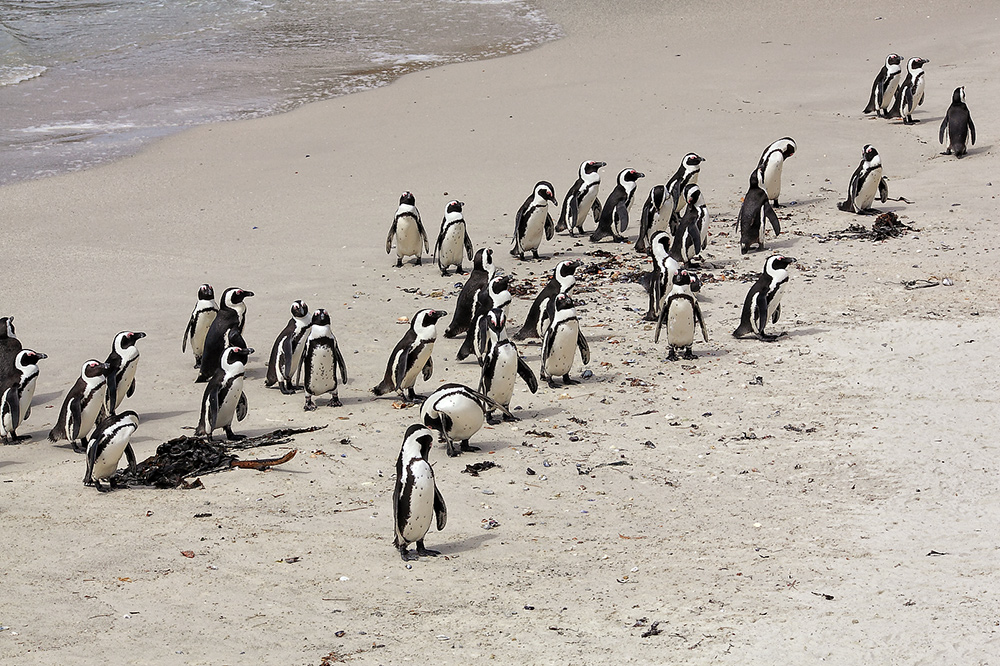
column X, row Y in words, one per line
column 416, row 500
column 81, row 406
column 9, row 347
column 693, row 225
column 581, row 199
column 122, row 364
column 755, row 213
column 562, row 282
column 533, row 221
column 16, row 395
column 452, row 239
column 111, row 439
column 490, row 329
column 659, row 280
column 457, row 413
column 771, row 162
column 321, row 360
column 224, row 399
column 866, row 181
column 884, row 86
column 681, row 313
column 687, row 173
column 496, row 295
column 614, row 216
column 656, row 213
column 201, row 320
column 562, row 338
column 407, row 230
column 483, row 270
column 502, row 364
column 910, row 93
column 286, row 352
column 959, row 125
column 225, row 331
column 411, row 356
column 763, row 301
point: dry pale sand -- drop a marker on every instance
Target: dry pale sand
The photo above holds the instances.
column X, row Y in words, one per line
column 842, row 509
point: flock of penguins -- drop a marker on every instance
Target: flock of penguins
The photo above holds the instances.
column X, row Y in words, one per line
column 673, row 231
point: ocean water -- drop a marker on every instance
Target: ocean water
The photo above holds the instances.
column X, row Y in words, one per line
column 86, row 81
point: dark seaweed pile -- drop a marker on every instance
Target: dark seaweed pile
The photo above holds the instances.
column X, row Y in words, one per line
column 887, row 225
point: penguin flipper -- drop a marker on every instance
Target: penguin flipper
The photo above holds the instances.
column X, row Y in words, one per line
column 622, row 212
column 340, row 362
column 129, row 456
column 772, row 217
column 468, row 246
column 440, row 510
column 944, row 126
column 111, row 395
column 208, row 419
column 700, row 319
column 131, row 389
column 12, row 406
column 88, row 478
column 883, row 189
column 761, row 311
column 550, row 227
column 287, row 353
column 428, row 369
column 664, row 313
column 777, row 313
column 524, row 371
column 581, row 342
column 401, row 514
column 241, row 407
column 574, row 210
column 388, row 239
column 972, row 131
column 875, row 86
column 423, row 234
column 188, row 333
column 596, row 209
column 402, row 361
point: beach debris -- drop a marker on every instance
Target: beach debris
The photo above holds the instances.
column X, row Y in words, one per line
column 652, row 631
column 935, row 553
column 919, row 284
column 584, row 471
column 828, row 597
column 887, row 225
column 756, row 381
column 531, row 472
column 478, row 467
column 187, row 553
column 539, row 433
column 489, row 524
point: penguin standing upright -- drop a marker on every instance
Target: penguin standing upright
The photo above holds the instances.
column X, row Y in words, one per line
column 884, row 86
column 755, row 212
column 9, row 348
column 452, row 239
column 16, row 395
column 112, row 438
column 82, row 405
column 225, row 331
column 910, row 93
column 224, row 399
column 681, row 313
column 407, row 230
column 483, row 270
column 502, row 364
column 562, row 282
column 533, row 220
column 693, row 224
column 959, row 125
column 771, row 162
column 656, row 213
column 614, row 216
column 687, row 173
column 763, row 301
column 496, row 295
column 658, row 281
column 122, row 364
column 321, row 360
column 562, row 338
column 581, row 199
column 416, row 500
column 866, row 181
column 411, row 356
column 457, row 413
column 286, row 352
column 201, row 320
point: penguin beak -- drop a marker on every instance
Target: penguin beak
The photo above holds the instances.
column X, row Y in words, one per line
column 246, row 294
column 138, row 335
column 249, row 350
column 41, row 355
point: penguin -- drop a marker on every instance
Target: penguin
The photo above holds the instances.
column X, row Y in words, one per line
column 770, row 164
column 452, row 238
column 416, row 500
column 122, row 364
column 533, row 220
column 457, row 413
column 201, row 320
column 865, row 182
column 16, row 395
column 286, row 353
column 581, row 199
column 884, row 86
column 225, row 331
column 614, row 216
column 483, row 270
column 502, row 364
column 321, row 360
column 686, row 174
column 224, row 399
column 755, row 212
column 490, row 329
column 959, row 125
column 111, row 439
column 9, row 348
column 693, row 225
column 763, row 301
column 496, row 295
column 910, row 93
column 82, row 405
column 681, row 313
column 656, row 213
column 658, row 281
column 562, row 338
column 408, row 231
column 562, row 282
column 411, row 356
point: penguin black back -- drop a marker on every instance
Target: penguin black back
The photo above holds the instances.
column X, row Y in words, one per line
column 226, row 331
column 958, row 123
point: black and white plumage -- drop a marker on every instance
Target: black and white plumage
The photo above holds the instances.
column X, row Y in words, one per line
column 225, row 331
column 224, row 400
column 755, row 213
column 656, row 214
column 958, row 123
column 686, row 174
column 562, row 338
column 692, row 227
column 581, row 199
column 562, row 282
column 483, row 270
column 614, row 215
column 408, row 231
column 681, row 314
column 82, row 405
column 411, row 357
column 910, row 93
column 452, row 239
column 204, row 313
column 866, row 182
column 416, row 500
column 763, row 301
column 456, row 412
column 286, row 352
column 884, row 86
column 112, row 438
column 490, row 329
column 772, row 160
column 9, row 348
column 16, row 394
column 496, row 296
column 321, row 361
column 122, row 364
column 502, row 364
column 658, row 282
column 534, row 221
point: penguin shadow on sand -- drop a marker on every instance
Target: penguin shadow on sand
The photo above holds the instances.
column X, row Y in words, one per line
column 159, row 416
column 971, row 151
column 465, row 545
column 804, row 332
column 7, row 463
column 43, row 399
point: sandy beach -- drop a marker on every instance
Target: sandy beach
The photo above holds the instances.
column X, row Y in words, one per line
column 829, row 497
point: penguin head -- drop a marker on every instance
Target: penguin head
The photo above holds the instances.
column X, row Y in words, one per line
column 692, row 193
column 427, row 317
column 127, row 339
column 957, row 97
column 94, row 368
column 417, row 442
column 483, row 260
column 629, row 176
column 7, row 327
column 233, row 355
column 234, row 295
column 591, row 167
column 869, row 153
column 788, row 146
column 27, row 358
column 566, row 268
column 127, row 416
column 682, row 278
column 408, row 199
column 915, row 64
column 660, row 243
column 755, row 178
column 206, row 293
column 496, row 319
column 544, row 190
column 893, row 59
column 300, row 309
column 563, row 302
column 692, row 160
column 500, row 284
column 778, row 262
column 321, row 318
column 454, row 207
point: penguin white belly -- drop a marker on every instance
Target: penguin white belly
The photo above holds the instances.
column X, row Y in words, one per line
column 421, row 484
column 761, row 224
column 107, row 463
column 453, row 245
column 680, row 323
column 775, row 301
column 322, row 371
column 890, row 93
column 408, row 239
column 7, row 422
column 772, row 177
column 201, row 326
column 227, row 406
column 918, row 92
column 586, row 205
column 868, row 189
column 410, row 378
column 563, row 350
column 26, row 396
column 127, row 378
column 534, row 229
column 504, row 374
column 88, row 416
column 465, row 413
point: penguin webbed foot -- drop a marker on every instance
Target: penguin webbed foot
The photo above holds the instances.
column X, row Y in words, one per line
column 424, row 552
column 399, row 263
column 465, row 446
column 689, row 355
column 81, row 446
column 335, row 402
column 100, row 488
column 552, row 382
column 569, row 382
column 310, row 406
column 413, row 396
column 534, row 253
column 19, row 438
column 287, row 389
column 451, row 450
column 492, row 420
column 672, row 354
column 407, row 555
column 232, row 436
column 509, row 418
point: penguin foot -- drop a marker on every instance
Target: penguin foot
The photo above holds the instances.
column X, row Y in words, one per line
column 100, row 488
column 418, row 262
column 451, row 450
column 335, row 402
column 399, row 263
column 415, row 397
column 19, row 438
column 567, row 381
column 424, row 552
column 620, row 239
column 287, row 389
column 310, row 406
column 232, row 436
column 599, row 235
column 509, row 418
column 80, row 447
column 552, row 383
column 534, row 254
column 407, row 555
column 444, row 273
column 672, row 355
column 947, row 152
column 650, row 316
column 468, row 447
column 460, row 270
column 492, row 420
column 689, row 355
column 197, row 362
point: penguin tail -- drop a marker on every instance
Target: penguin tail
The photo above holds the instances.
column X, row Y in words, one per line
column 599, row 235
column 742, row 332
column 384, row 387
column 55, row 435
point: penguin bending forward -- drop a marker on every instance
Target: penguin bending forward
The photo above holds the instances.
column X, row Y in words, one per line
column 770, row 165
column 457, row 413
column 581, row 199
column 910, row 93
column 411, row 356
column 483, row 270
column 755, row 213
column 407, row 230
column 681, row 313
column 416, row 500
column 16, row 395
column 763, row 301
column 82, row 405
column 225, row 331
column 321, row 360
column 884, row 86
column 224, row 400
column 201, row 320
column 866, row 181
column 452, row 239
column 959, row 125
column 562, row 338
column 111, row 439
column 614, row 216
column 533, row 220
column 286, row 352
